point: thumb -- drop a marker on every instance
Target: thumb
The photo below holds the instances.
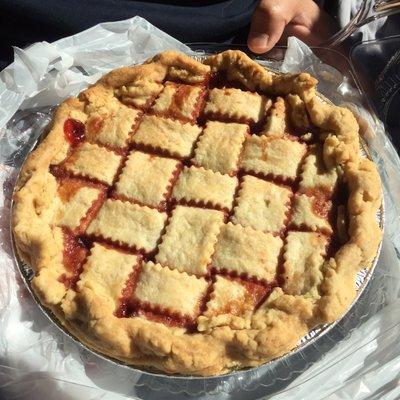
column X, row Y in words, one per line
column 267, row 26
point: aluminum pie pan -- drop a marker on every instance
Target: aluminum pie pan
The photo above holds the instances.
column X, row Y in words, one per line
column 362, row 280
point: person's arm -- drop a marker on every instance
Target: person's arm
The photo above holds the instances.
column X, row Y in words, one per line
column 274, row 20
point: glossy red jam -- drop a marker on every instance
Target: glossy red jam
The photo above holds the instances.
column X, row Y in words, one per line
column 180, row 97
column 321, row 205
column 256, row 293
column 74, row 255
column 127, row 306
column 74, row 131
column 67, row 187
column 170, row 320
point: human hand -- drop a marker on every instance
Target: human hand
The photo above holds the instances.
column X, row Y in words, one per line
column 275, row 20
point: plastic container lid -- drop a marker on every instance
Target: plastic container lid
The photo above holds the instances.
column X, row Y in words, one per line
column 377, row 65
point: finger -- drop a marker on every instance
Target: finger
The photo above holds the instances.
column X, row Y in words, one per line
column 312, row 24
column 267, row 25
column 301, row 32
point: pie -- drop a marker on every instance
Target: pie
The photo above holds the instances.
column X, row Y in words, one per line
column 197, row 217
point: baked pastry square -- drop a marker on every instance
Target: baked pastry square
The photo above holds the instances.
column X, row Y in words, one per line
column 262, row 205
column 232, row 303
column 179, row 101
column 273, row 156
column 315, row 174
column 232, row 296
column 171, row 291
column 146, row 178
column 235, row 105
column 312, row 213
column 203, row 186
column 304, row 257
column 80, row 201
column 169, row 136
column 219, row 146
column 275, row 124
column 107, row 270
column 128, row 224
column 114, row 128
column 245, row 251
column 95, row 162
column 189, row 240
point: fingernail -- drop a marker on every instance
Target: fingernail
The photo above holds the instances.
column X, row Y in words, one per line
column 261, row 40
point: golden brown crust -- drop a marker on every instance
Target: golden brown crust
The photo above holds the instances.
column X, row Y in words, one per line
column 225, row 342
column 238, row 66
column 167, row 65
column 35, row 204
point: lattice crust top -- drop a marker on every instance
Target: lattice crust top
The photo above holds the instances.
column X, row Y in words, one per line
column 308, row 212
column 248, row 252
column 189, row 240
column 142, row 168
column 219, row 146
column 107, row 269
column 303, row 261
column 203, row 186
column 262, row 205
column 113, row 128
column 193, row 217
column 89, row 160
column 236, row 105
column 315, row 175
column 128, row 224
column 75, row 209
column 165, row 135
column 273, row 156
column 179, row 101
column 169, row 289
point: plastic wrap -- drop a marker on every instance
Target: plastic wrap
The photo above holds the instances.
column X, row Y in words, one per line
column 357, row 359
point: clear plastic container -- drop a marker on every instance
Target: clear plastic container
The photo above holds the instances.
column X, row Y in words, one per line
column 273, row 374
column 305, row 371
column 378, row 66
